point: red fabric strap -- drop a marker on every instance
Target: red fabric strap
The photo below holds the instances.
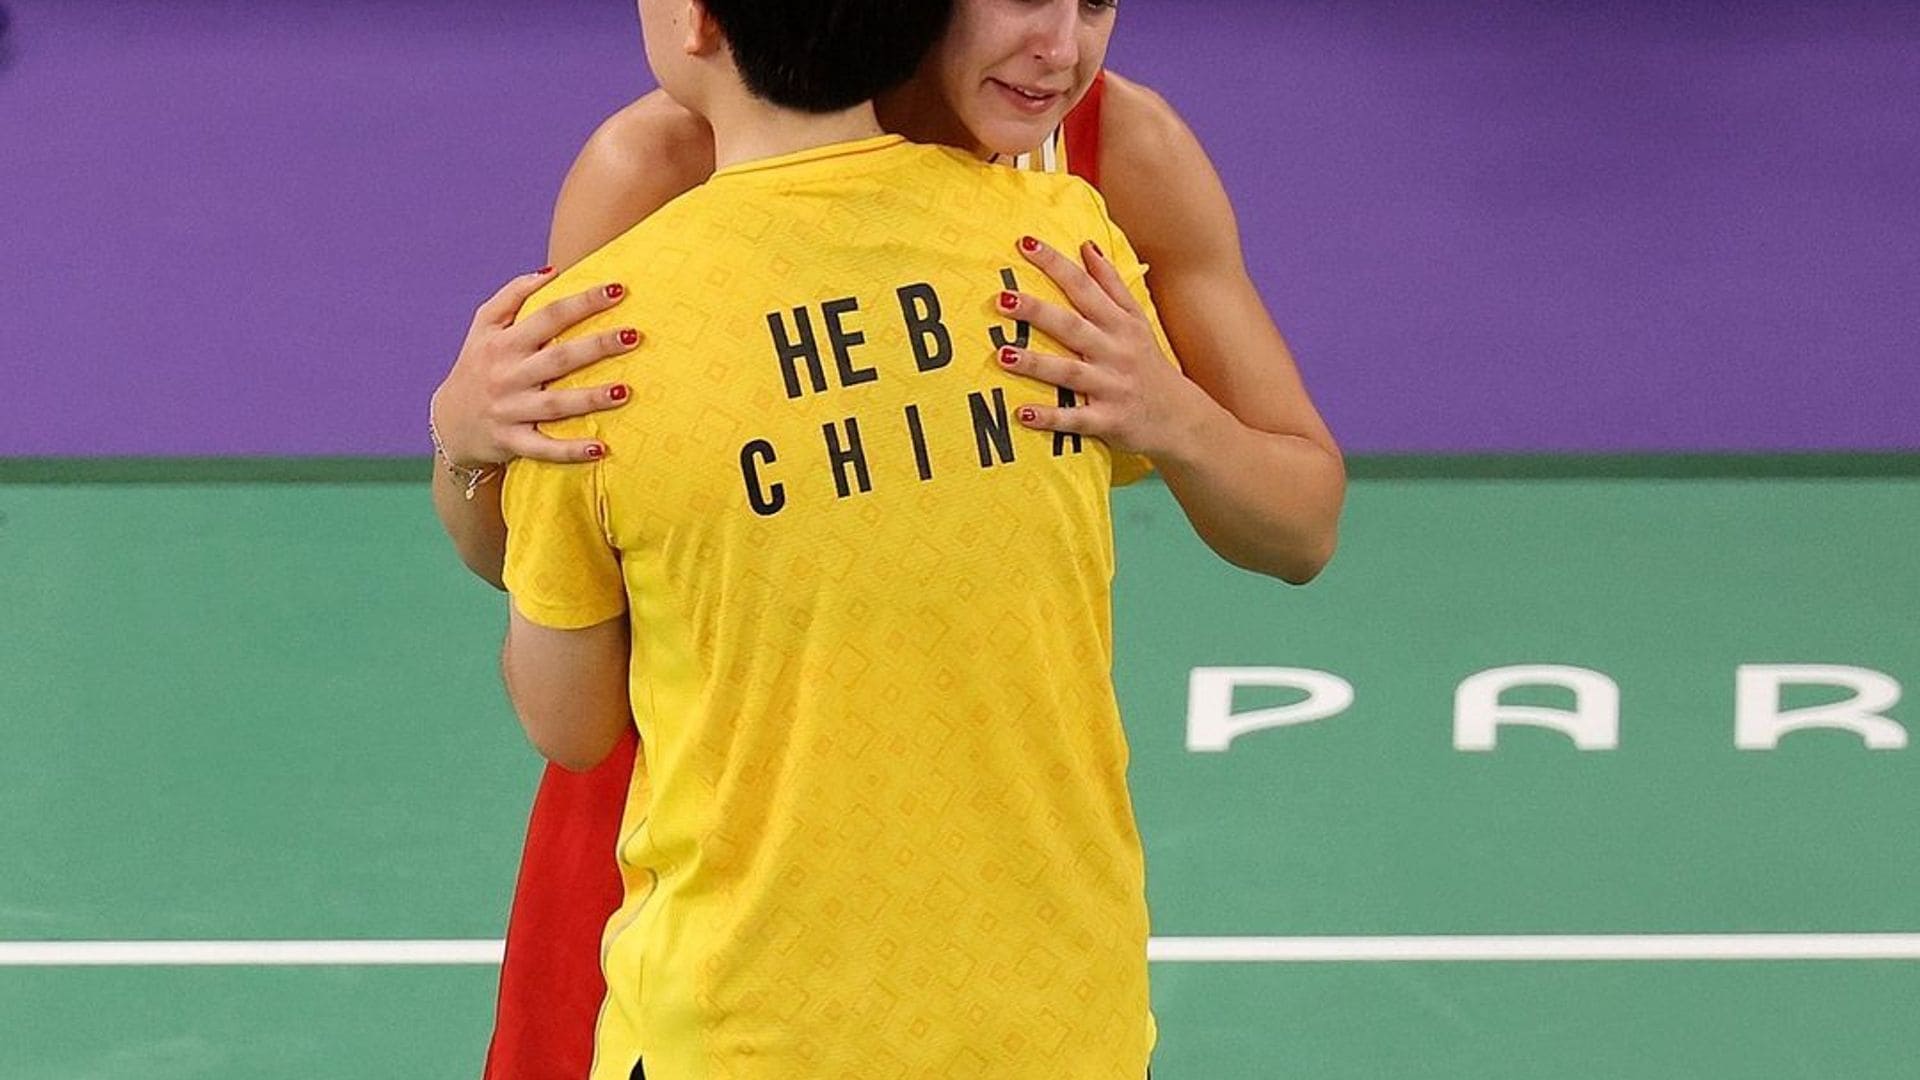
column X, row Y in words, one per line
column 1083, row 133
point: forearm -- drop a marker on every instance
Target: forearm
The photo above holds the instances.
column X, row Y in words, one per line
column 1266, row 502
column 475, row 525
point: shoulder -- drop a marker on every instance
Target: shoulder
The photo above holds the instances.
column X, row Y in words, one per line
column 639, row 159
column 1143, row 137
column 1134, row 114
column 653, row 135
column 1157, row 178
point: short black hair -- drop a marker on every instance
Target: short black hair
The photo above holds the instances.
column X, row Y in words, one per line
column 823, row 56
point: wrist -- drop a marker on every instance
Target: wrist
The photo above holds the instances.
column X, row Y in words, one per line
column 466, row 476
column 1194, row 431
column 448, row 444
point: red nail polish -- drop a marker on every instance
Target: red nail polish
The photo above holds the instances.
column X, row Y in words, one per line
column 629, row 338
column 1009, row 356
column 618, row 393
column 596, row 452
column 1029, row 245
column 544, row 271
column 1008, row 301
column 1096, row 249
column 1027, row 416
column 615, row 292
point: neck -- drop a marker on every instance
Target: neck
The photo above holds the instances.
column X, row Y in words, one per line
column 749, row 129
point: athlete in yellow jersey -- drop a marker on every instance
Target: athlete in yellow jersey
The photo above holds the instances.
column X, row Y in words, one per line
column 857, row 610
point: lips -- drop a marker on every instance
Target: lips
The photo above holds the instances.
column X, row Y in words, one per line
column 1027, row 99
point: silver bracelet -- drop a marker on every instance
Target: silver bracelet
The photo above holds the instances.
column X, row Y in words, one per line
column 469, row 479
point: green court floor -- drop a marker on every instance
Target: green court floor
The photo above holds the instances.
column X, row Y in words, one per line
column 241, row 709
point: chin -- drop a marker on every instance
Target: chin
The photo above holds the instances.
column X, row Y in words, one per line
column 1012, row 137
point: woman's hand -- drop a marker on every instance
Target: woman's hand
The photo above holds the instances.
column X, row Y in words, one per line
column 487, row 409
column 1133, row 397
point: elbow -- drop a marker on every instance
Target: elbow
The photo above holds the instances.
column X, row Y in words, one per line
column 1312, row 561
column 1304, row 573
column 1304, row 567
column 486, row 570
column 566, row 745
column 576, row 762
column 1297, row 563
column 574, row 733
column 1300, row 527
column 1310, row 554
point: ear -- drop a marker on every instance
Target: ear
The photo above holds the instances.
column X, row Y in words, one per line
column 703, row 31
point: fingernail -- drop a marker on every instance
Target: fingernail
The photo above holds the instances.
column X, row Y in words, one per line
column 1029, row 245
column 615, row 292
column 629, row 338
column 1008, row 301
column 1096, row 249
column 596, row 452
column 618, row 393
column 1027, row 416
column 1009, row 356
column 543, row 271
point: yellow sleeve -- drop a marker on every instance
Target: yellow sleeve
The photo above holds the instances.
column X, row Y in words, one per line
column 562, row 569
column 1129, row 468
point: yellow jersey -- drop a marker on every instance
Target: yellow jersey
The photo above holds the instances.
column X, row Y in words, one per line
column 883, row 828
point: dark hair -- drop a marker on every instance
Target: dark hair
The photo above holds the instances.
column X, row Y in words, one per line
column 823, row 56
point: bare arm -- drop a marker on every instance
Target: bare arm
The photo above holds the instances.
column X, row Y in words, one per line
column 640, row 159
column 1260, row 477
column 569, row 688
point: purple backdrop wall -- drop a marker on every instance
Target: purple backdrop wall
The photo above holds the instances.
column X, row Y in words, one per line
column 260, row 227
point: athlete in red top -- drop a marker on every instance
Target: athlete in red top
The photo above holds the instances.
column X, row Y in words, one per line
column 1257, row 472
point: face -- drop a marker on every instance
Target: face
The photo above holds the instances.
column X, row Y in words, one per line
column 1009, row 70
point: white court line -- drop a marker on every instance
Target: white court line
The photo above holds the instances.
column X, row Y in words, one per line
column 1535, row 947
column 246, row 953
column 1170, row 950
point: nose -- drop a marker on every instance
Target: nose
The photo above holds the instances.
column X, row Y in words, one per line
column 1056, row 39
